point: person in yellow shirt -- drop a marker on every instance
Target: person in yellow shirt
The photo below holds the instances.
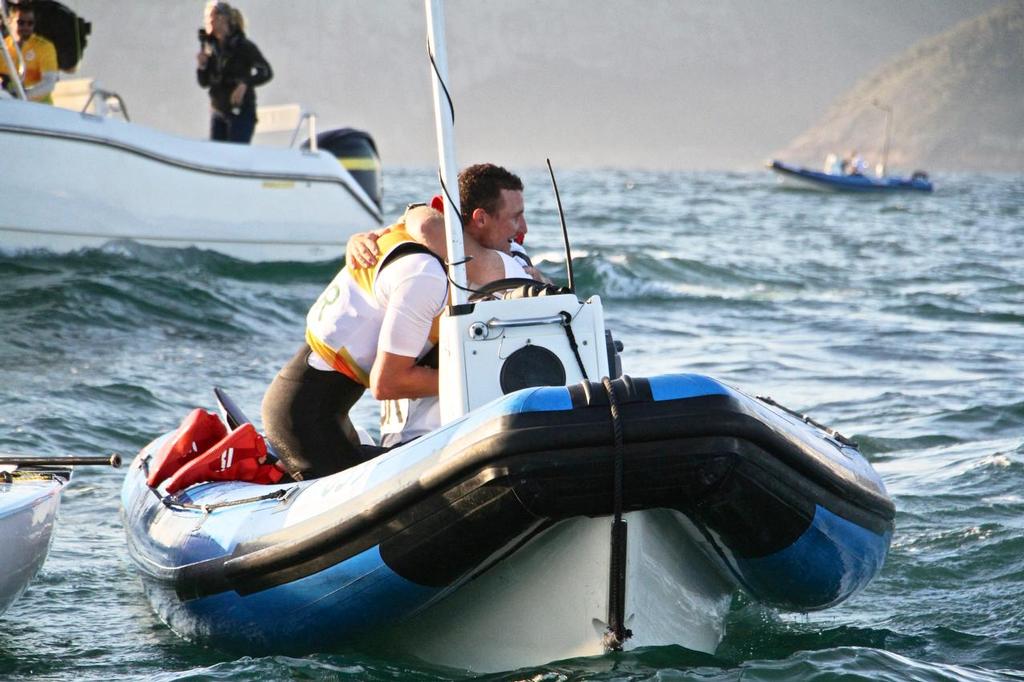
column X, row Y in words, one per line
column 38, row 55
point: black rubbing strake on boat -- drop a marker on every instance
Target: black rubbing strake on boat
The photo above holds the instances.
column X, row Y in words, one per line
column 702, row 456
column 431, row 543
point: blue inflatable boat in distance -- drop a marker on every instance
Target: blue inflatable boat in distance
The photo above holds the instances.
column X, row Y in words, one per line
column 805, row 178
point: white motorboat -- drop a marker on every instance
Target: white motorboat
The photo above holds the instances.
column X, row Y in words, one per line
column 77, row 176
column 78, row 179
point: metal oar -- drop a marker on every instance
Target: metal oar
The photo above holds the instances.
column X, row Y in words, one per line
column 113, row 460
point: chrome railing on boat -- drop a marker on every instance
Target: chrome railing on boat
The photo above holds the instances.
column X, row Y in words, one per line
column 101, row 101
column 280, row 118
column 310, row 118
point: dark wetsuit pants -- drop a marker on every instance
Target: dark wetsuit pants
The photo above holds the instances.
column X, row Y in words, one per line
column 234, row 127
column 305, row 415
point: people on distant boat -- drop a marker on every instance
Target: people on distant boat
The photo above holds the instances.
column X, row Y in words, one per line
column 487, row 194
column 857, row 166
column 232, row 67
column 833, row 164
column 38, row 64
column 370, row 328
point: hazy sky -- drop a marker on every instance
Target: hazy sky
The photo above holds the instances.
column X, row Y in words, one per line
column 658, row 83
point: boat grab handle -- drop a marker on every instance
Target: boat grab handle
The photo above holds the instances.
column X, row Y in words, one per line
column 310, row 118
column 495, row 323
column 105, row 95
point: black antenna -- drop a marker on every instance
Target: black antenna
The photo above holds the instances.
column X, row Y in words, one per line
column 565, row 231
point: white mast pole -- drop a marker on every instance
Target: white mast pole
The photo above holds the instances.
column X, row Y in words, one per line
column 888, row 136
column 444, row 119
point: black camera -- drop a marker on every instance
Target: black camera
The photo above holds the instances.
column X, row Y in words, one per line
column 204, row 37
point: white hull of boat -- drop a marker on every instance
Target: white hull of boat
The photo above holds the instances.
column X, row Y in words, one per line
column 76, row 180
column 549, row 600
column 28, row 510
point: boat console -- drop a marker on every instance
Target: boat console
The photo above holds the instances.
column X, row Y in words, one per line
column 491, row 348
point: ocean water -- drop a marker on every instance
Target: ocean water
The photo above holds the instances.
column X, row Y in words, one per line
column 896, row 319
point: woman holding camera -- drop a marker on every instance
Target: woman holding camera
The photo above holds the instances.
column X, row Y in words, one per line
column 231, row 66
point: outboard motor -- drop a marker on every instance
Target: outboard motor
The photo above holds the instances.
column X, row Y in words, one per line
column 357, row 152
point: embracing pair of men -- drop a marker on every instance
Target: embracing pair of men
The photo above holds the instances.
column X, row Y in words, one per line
column 375, row 324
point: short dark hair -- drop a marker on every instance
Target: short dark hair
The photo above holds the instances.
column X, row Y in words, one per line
column 480, row 186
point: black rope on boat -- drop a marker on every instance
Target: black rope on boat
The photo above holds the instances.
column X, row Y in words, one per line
column 567, row 325
column 171, row 502
column 617, row 633
column 444, row 86
column 440, row 178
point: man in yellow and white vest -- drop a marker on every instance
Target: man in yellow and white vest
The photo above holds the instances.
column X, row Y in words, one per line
column 38, row 54
column 368, row 329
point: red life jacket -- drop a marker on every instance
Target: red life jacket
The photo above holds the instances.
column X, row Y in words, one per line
column 204, row 450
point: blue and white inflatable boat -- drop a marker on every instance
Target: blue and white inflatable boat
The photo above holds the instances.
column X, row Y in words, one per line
column 488, row 543
column 561, row 510
column 805, row 178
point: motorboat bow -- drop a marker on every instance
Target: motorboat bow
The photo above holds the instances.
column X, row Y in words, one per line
column 29, row 500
